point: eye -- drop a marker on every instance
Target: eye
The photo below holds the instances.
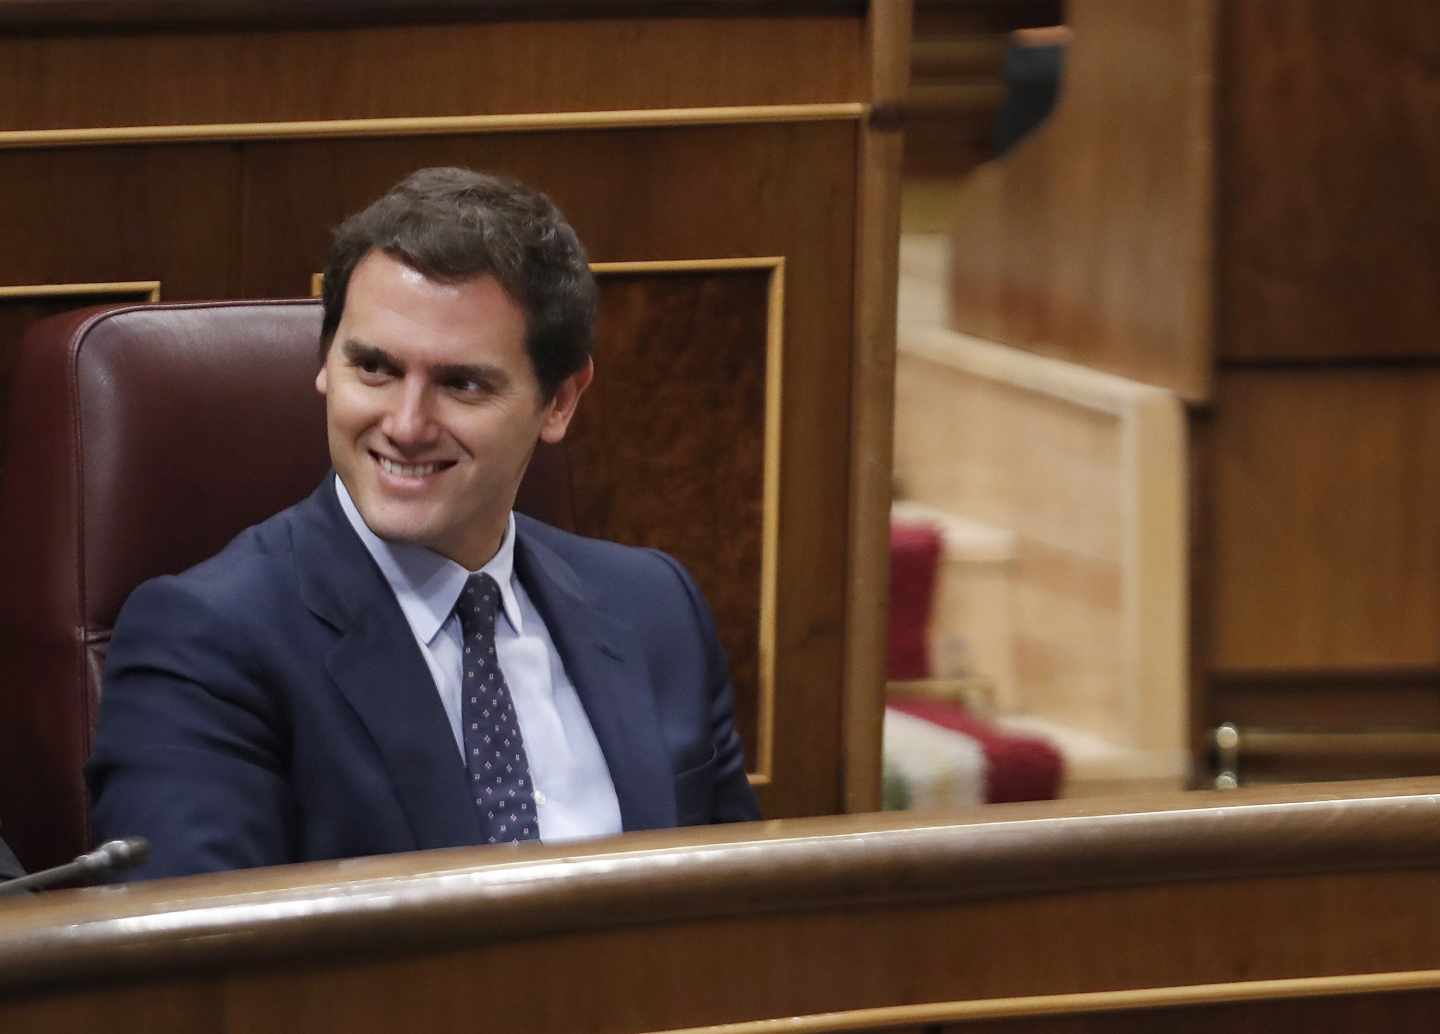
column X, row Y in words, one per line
column 372, row 369
column 469, row 387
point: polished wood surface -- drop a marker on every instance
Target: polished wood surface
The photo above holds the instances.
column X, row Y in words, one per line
column 871, row 402
column 1067, row 911
column 70, row 80
column 147, row 13
column 1326, row 489
column 1310, row 183
column 1092, row 240
column 1327, row 155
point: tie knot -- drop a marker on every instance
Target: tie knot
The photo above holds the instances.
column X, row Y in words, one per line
column 478, row 605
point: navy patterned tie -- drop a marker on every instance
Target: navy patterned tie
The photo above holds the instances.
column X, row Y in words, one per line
column 494, row 752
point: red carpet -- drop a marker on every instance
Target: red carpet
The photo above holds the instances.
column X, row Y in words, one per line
column 1019, row 768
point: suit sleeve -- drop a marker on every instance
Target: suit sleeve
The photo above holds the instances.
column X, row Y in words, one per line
column 9, row 865
column 190, row 749
column 734, row 799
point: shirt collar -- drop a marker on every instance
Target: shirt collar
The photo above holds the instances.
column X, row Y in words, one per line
column 426, row 584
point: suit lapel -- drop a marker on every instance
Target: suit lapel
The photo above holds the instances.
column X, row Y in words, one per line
column 606, row 665
column 378, row 668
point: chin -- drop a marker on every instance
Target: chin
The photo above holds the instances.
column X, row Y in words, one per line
column 397, row 527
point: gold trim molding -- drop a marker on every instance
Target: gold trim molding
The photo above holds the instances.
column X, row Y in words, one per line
column 1083, row 1003
column 336, row 129
column 144, row 290
column 764, row 771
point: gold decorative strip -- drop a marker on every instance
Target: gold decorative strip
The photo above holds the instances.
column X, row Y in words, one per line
column 1083, row 1003
column 334, row 129
column 149, row 289
column 689, row 265
column 770, row 506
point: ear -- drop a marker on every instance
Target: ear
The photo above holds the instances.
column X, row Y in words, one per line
column 561, row 408
column 322, row 379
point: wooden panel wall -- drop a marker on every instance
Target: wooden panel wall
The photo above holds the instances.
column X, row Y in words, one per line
column 1320, row 539
column 1236, row 201
column 1091, row 241
column 190, row 154
column 1329, row 171
column 1326, row 553
column 133, row 77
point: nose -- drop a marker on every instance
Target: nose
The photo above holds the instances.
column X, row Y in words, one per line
column 409, row 421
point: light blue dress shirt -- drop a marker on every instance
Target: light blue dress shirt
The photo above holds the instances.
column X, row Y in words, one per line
column 574, row 794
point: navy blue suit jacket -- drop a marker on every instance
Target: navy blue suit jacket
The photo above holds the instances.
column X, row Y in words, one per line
column 270, row 705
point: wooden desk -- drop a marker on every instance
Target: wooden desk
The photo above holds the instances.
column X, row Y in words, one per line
column 1248, row 908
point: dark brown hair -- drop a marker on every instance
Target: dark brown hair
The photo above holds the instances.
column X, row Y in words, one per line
column 452, row 225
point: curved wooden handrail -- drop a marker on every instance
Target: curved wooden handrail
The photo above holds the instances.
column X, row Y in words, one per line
column 470, row 897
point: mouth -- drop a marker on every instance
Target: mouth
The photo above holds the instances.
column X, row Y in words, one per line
column 411, row 470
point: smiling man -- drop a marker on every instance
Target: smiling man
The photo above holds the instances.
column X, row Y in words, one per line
column 400, row 662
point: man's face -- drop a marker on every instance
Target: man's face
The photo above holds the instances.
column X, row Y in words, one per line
column 433, row 407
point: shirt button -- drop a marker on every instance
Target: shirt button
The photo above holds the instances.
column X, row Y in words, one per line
column 539, row 796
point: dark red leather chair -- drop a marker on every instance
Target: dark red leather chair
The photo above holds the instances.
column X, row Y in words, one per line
column 139, row 440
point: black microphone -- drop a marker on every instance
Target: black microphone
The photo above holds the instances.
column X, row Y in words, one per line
column 111, row 856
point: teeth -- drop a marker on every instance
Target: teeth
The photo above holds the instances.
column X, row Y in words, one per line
column 409, row 470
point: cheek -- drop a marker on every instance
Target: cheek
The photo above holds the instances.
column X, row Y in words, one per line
column 348, row 413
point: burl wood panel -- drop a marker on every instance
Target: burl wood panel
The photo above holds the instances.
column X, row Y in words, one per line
column 1324, row 518
column 1329, row 170
column 668, row 448
column 1091, row 241
column 480, row 68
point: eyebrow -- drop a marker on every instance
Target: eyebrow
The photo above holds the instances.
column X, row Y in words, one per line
column 359, row 351
column 485, row 373
column 481, row 373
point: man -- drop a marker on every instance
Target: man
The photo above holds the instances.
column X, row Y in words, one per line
column 399, row 662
